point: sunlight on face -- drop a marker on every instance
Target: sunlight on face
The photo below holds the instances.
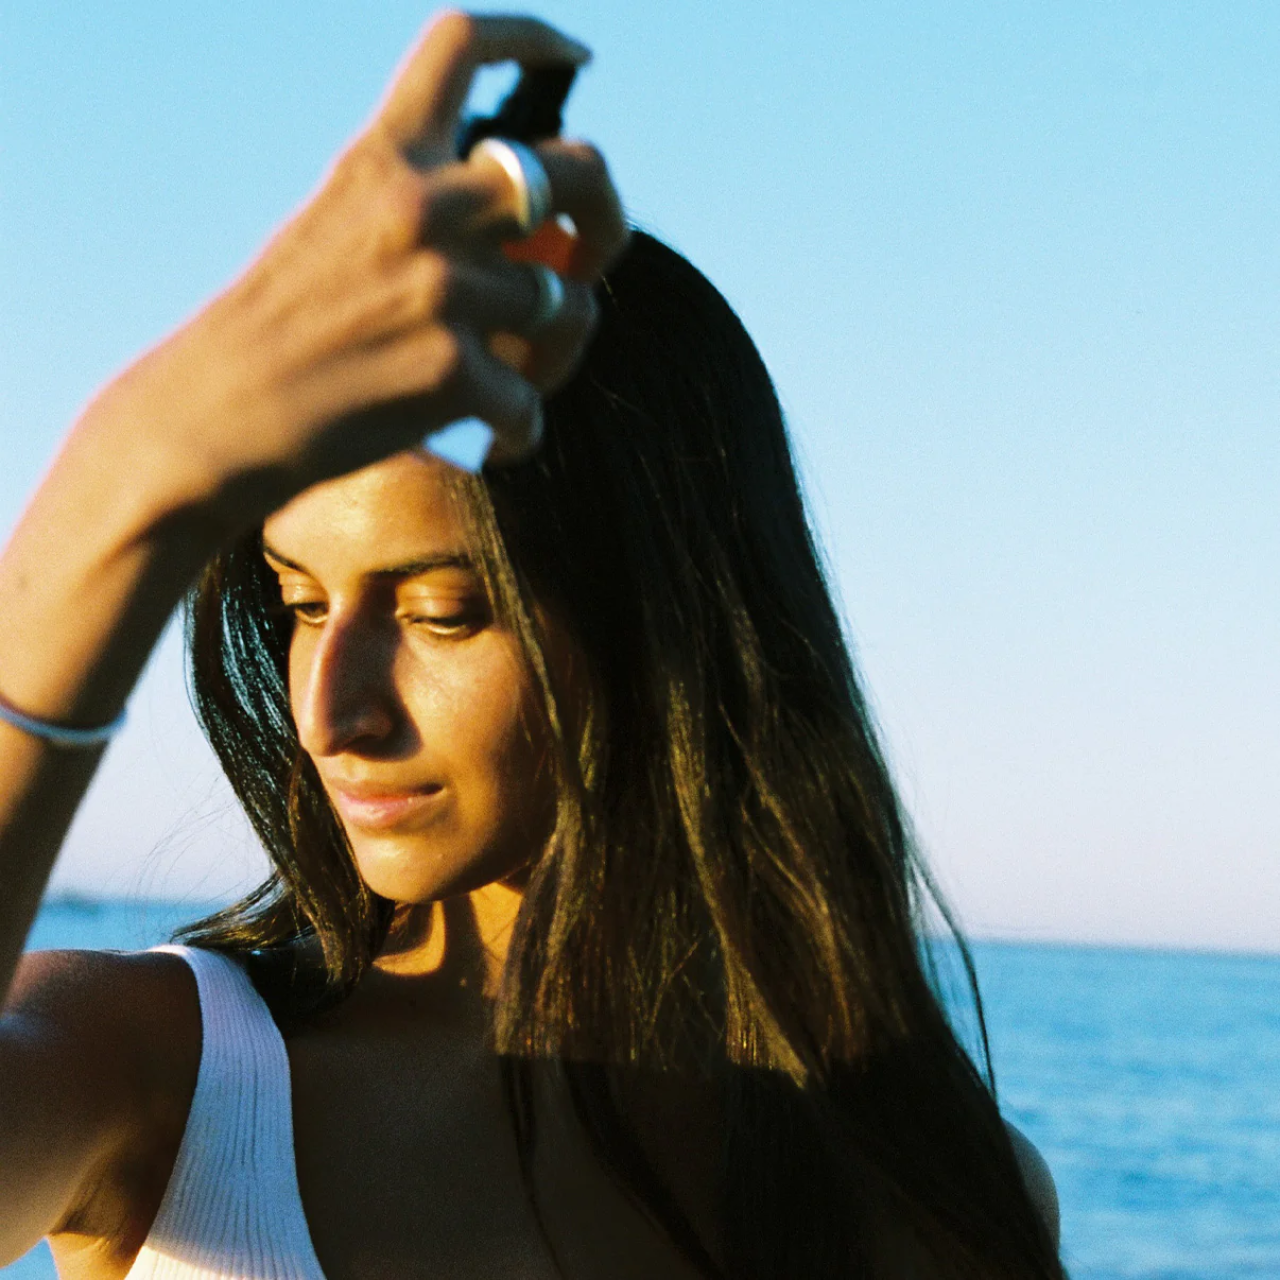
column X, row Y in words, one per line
column 413, row 702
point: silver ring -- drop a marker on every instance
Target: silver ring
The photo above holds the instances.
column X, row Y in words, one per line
column 522, row 166
column 550, row 299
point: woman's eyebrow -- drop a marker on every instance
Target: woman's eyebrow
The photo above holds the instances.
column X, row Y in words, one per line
column 407, row 569
column 411, row 568
column 272, row 554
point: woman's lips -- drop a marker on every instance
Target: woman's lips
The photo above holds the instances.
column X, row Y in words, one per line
column 383, row 810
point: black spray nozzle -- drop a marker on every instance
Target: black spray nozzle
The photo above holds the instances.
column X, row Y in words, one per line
column 531, row 111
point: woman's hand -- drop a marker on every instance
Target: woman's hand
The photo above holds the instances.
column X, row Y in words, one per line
column 385, row 309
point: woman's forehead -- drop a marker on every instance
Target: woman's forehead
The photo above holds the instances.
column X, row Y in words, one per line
column 397, row 511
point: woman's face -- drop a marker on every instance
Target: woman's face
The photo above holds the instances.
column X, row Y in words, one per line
column 414, row 704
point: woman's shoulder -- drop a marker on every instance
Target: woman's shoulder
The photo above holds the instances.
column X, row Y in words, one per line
column 899, row 1252
column 139, row 1007
column 1039, row 1180
column 99, row 1054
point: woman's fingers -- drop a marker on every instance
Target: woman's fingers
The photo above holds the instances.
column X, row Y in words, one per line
column 423, row 105
column 460, row 378
column 394, row 287
column 476, row 200
column 582, row 188
column 483, row 297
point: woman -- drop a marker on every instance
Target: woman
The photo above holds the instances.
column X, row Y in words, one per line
column 591, row 947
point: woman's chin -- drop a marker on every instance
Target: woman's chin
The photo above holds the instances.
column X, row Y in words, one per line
column 408, row 870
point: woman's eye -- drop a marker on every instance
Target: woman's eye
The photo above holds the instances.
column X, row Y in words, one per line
column 446, row 621
column 451, row 622
column 309, row 612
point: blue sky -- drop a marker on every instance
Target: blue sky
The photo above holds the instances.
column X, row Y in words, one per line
column 1014, row 269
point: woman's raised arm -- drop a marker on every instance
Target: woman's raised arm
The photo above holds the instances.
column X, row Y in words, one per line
column 368, row 320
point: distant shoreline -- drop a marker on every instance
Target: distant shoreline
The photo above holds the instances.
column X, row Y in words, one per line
column 75, row 901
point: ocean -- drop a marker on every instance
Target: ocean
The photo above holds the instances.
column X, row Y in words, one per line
column 1150, row 1080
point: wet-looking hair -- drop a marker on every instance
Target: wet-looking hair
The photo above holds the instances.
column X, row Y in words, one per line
column 730, row 893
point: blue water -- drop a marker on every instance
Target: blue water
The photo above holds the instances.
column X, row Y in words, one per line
column 1150, row 1081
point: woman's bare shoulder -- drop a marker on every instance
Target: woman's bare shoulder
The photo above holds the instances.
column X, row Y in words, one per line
column 139, row 1009
column 1038, row 1178
column 99, row 1053
column 112, row 1032
column 69, row 969
column 899, row 1253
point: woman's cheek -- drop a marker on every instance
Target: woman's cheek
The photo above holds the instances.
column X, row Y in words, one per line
column 480, row 717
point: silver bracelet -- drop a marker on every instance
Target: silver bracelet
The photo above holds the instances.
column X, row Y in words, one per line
column 60, row 735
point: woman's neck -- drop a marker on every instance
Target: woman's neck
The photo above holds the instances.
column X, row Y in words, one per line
column 460, row 940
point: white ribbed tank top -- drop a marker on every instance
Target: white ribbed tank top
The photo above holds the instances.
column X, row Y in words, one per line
column 232, row 1210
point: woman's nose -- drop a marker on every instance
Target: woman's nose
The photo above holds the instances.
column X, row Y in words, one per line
column 341, row 685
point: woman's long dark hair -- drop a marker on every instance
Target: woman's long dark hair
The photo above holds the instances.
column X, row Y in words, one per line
column 730, row 892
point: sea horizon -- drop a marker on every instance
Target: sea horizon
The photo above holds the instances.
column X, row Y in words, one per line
column 82, row 900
